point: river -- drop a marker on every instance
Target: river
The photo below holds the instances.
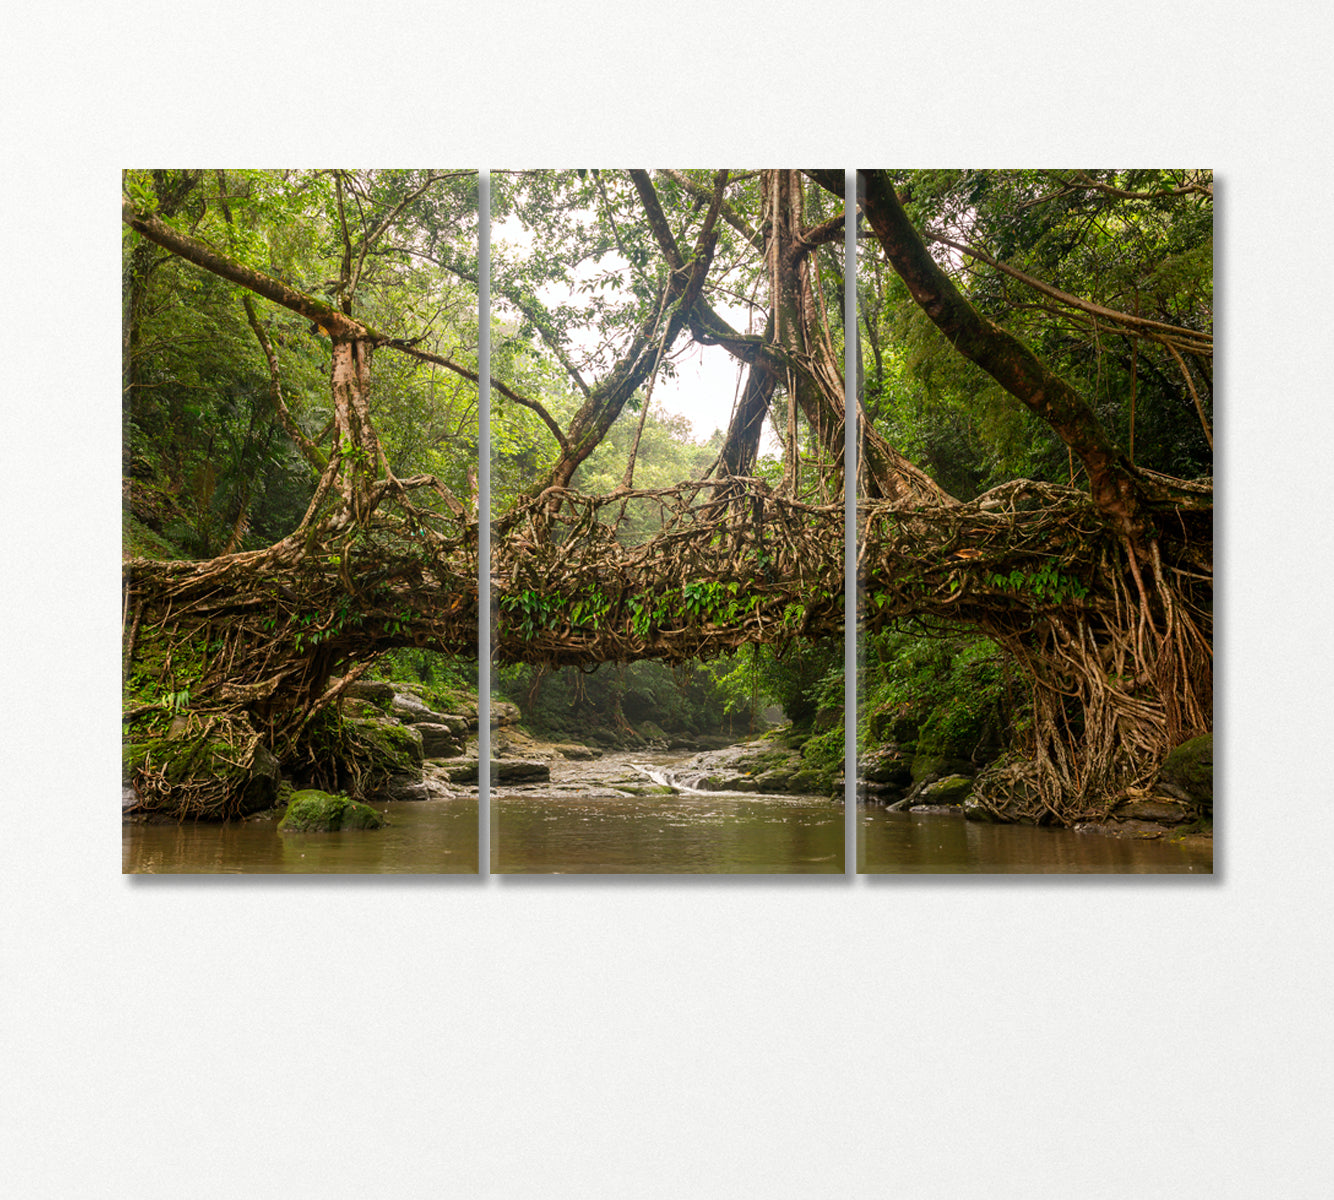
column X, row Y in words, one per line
column 602, row 817
column 427, row 837
column 931, row 843
column 587, row 820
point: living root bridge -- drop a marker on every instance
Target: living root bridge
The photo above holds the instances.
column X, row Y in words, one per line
column 678, row 573
column 244, row 650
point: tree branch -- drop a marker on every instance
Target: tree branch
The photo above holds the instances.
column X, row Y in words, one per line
column 209, row 259
column 729, row 214
column 1084, row 181
column 657, row 221
column 1007, row 360
column 508, row 392
column 1192, row 339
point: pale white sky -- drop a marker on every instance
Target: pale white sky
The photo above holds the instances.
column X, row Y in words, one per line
column 706, row 381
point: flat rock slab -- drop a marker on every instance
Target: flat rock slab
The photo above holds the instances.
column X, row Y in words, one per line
column 518, row 770
column 1164, row 811
column 370, row 689
column 576, row 753
column 505, row 770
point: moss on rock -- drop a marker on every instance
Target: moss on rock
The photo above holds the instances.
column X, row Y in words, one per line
column 1188, row 772
column 313, row 811
column 952, row 790
column 387, row 747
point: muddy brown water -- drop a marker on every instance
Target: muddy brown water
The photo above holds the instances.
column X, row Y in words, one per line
column 587, row 820
column 427, row 837
column 931, row 843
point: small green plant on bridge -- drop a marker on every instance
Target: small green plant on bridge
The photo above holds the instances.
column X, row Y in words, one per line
column 1047, row 583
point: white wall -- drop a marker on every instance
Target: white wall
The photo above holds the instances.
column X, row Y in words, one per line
column 919, row 1038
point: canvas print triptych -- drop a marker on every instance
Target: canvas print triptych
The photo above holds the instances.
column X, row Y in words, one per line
column 605, row 424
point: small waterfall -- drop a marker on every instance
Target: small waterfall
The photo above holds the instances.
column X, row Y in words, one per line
column 669, row 779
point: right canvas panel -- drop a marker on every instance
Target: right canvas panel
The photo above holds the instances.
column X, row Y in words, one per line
column 1035, row 521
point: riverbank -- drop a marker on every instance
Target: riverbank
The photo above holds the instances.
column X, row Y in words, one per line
column 418, row 743
column 1177, row 804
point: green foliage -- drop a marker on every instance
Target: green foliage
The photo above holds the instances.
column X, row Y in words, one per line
column 570, row 703
column 1148, row 253
column 447, row 679
column 800, row 678
column 1046, row 582
column 176, row 702
column 949, row 694
column 209, row 463
column 824, row 752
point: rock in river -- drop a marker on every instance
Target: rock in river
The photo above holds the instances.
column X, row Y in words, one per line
column 313, row 811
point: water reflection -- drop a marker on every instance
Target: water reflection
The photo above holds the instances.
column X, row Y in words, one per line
column 917, row 843
column 427, row 838
column 553, row 831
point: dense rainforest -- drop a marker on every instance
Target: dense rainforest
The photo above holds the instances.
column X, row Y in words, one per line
column 1033, row 356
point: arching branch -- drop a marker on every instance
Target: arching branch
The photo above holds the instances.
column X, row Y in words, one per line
column 209, row 259
column 1191, row 340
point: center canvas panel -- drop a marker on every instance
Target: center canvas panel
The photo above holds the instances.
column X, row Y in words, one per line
column 667, row 534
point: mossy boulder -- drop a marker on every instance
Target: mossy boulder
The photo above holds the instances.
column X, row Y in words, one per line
column 893, row 723
column 809, row 782
column 652, row 731
column 952, row 790
column 888, row 764
column 1188, row 772
column 313, row 811
column 387, row 747
column 941, row 751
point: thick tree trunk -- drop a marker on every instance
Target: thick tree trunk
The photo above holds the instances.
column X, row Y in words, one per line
column 355, row 437
column 741, row 447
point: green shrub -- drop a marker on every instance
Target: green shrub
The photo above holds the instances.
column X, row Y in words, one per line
column 953, row 696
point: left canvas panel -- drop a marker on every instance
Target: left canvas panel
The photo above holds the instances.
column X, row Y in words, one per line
column 300, row 545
